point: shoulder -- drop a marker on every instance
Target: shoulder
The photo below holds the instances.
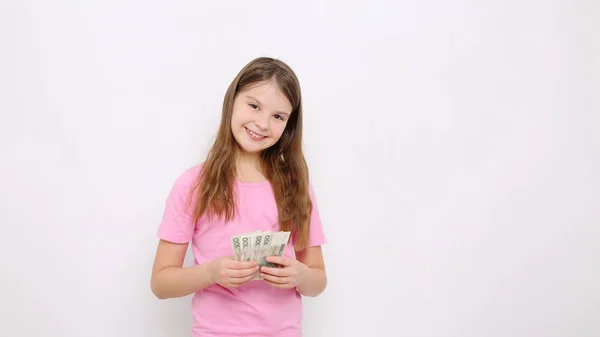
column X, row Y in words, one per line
column 188, row 177
column 311, row 190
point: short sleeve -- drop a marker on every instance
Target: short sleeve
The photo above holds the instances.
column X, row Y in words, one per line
column 316, row 235
column 177, row 225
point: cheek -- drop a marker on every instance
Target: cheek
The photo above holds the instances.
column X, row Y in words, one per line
column 278, row 130
column 241, row 116
column 236, row 119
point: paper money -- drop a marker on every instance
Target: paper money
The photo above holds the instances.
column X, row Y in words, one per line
column 240, row 245
column 256, row 246
column 277, row 246
column 235, row 245
column 261, row 252
column 246, row 250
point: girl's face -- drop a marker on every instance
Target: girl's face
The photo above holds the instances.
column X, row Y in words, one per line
column 259, row 117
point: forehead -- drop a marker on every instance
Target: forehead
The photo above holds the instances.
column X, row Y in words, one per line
column 269, row 95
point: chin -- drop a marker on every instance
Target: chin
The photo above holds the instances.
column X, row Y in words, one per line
column 250, row 150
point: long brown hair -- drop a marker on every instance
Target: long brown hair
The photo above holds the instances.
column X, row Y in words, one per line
column 283, row 164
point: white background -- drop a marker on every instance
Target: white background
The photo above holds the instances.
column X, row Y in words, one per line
column 454, row 148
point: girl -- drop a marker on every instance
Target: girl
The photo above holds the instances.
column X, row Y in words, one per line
column 254, row 178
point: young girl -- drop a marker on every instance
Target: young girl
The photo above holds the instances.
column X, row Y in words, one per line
column 254, row 178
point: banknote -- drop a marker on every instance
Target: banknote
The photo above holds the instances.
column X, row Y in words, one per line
column 261, row 251
column 236, row 247
column 257, row 245
column 277, row 246
column 240, row 245
column 246, row 248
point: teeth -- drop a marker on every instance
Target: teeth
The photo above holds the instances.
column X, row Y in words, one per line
column 254, row 134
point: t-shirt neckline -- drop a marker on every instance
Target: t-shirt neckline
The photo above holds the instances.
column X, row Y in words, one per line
column 252, row 183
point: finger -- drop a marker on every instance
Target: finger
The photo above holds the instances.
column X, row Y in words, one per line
column 282, row 260
column 275, row 279
column 275, row 271
column 241, row 281
column 241, row 273
column 243, row 264
column 279, row 285
column 240, row 264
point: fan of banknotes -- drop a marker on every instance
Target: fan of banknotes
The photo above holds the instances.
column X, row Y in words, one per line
column 256, row 246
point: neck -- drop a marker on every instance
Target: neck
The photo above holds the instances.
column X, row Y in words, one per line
column 246, row 160
column 248, row 168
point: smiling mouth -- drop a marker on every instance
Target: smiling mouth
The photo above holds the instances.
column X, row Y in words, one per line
column 254, row 135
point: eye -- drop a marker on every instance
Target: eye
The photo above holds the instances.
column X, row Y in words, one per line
column 279, row 117
column 254, row 106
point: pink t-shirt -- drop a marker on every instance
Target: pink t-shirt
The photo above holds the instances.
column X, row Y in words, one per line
column 256, row 308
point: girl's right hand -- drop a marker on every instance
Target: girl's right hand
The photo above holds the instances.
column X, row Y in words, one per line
column 230, row 273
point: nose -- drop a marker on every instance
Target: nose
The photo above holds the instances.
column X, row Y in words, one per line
column 262, row 120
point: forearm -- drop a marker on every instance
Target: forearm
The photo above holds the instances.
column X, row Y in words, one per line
column 314, row 283
column 174, row 282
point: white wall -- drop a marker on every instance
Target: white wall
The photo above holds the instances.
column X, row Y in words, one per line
column 454, row 148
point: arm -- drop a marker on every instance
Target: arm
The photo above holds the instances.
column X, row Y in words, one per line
column 170, row 279
column 306, row 273
column 315, row 279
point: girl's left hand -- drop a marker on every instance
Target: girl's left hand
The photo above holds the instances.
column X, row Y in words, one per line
column 289, row 275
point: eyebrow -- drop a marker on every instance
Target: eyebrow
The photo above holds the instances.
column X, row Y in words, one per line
column 277, row 112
